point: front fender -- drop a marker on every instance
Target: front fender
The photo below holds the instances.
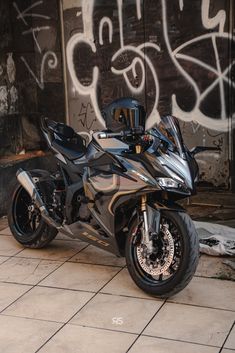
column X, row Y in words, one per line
column 166, row 205
column 162, row 205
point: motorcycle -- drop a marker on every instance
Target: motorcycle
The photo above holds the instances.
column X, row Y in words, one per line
column 117, row 192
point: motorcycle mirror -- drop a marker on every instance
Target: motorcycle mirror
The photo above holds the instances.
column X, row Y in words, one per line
column 198, row 149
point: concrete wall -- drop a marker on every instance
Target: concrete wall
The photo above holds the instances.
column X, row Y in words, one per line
column 31, row 79
column 174, row 56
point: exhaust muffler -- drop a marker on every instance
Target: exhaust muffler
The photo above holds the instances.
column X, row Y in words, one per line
column 28, row 184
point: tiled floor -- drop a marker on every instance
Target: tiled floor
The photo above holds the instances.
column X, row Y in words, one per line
column 74, row 298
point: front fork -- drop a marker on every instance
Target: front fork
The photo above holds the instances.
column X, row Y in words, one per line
column 146, row 236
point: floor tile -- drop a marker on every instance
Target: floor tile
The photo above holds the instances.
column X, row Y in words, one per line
column 18, row 335
column 94, row 255
column 228, row 350
column 191, row 324
column 212, row 266
column 74, row 339
column 9, row 246
column 9, row 292
column 156, row 345
column 26, row 271
column 5, row 231
column 3, row 258
column 81, row 276
column 117, row 313
column 122, row 284
column 3, row 223
column 57, row 250
column 49, row 304
column 208, row 292
column 230, row 343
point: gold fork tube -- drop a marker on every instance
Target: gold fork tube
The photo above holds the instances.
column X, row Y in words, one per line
column 138, row 149
column 143, row 202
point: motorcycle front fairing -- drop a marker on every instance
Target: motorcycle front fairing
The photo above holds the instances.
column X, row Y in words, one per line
column 110, row 186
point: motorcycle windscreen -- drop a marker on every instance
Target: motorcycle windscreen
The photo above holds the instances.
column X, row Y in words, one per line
column 169, row 130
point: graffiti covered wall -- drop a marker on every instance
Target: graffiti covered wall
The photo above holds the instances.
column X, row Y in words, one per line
column 31, row 79
column 174, row 56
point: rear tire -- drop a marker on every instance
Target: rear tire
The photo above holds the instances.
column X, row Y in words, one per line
column 172, row 284
column 35, row 232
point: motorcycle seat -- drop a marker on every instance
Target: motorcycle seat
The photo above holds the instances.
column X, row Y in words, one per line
column 62, row 130
column 70, row 150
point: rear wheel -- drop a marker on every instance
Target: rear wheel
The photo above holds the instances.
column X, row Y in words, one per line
column 173, row 261
column 25, row 221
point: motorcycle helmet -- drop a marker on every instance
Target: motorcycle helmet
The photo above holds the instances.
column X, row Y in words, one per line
column 124, row 114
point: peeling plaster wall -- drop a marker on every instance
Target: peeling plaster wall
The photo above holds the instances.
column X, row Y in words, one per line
column 8, row 90
column 8, row 86
column 174, row 56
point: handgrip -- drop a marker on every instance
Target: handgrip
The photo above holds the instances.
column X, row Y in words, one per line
column 107, row 135
column 132, row 132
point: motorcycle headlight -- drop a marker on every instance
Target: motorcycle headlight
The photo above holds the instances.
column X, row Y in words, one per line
column 168, row 183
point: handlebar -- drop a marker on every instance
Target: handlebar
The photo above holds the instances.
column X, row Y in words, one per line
column 134, row 131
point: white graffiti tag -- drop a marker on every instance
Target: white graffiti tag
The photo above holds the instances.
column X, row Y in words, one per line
column 221, row 76
column 52, row 64
column 27, row 12
column 212, row 22
column 33, row 31
column 140, row 59
column 129, row 59
column 49, row 57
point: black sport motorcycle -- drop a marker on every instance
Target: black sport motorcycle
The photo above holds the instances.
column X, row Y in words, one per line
column 117, row 192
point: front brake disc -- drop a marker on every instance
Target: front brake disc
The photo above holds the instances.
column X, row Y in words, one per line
column 161, row 264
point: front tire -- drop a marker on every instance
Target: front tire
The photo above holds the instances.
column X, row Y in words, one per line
column 25, row 221
column 183, row 266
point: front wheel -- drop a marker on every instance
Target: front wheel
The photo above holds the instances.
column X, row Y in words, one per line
column 174, row 258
